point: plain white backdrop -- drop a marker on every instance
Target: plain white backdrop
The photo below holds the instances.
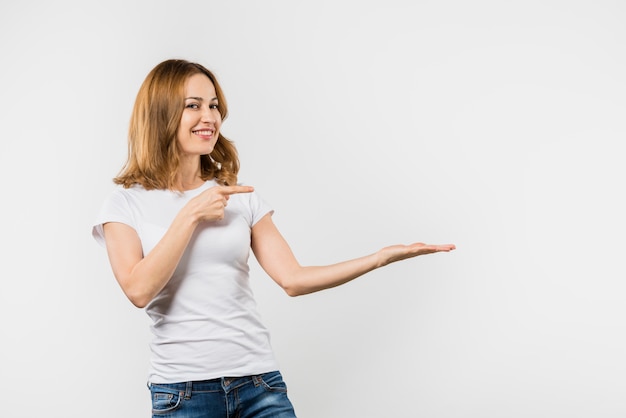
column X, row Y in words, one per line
column 497, row 126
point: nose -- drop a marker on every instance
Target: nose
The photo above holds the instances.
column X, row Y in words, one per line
column 208, row 115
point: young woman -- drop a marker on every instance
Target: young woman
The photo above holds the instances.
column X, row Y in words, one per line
column 178, row 232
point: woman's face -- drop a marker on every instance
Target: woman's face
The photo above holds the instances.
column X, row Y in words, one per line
column 201, row 121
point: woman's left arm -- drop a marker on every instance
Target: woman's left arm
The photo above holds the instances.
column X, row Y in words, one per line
column 276, row 258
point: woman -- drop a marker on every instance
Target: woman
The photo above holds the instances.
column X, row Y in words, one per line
column 178, row 231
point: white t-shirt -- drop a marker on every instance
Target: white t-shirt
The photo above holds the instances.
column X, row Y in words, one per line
column 204, row 322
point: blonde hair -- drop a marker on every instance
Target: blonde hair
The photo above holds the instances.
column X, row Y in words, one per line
column 153, row 150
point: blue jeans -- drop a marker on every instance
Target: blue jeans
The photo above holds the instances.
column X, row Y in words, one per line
column 261, row 396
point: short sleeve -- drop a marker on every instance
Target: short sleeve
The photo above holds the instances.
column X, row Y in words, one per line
column 114, row 209
column 258, row 208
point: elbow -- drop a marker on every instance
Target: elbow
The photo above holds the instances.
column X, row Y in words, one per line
column 290, row 288
column 293, row 289
column 139, row 299
column 292, row 282
column 291, row 292
column 137, row 292
column 139, row 303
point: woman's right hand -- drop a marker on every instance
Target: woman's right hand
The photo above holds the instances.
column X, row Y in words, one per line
column 210, row 204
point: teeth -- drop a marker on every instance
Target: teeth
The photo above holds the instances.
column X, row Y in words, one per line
column 203, row 132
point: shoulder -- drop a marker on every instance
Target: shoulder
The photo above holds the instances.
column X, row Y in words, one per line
column 125, row 197
column 120, row 190
column 253, row 204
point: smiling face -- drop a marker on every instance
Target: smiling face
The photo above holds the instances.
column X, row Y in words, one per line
column 200, row 123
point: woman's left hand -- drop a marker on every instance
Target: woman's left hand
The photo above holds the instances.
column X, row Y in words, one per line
column 395, row 253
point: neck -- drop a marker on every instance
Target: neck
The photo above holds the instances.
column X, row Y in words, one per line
column 189, row 178
column 190, row 184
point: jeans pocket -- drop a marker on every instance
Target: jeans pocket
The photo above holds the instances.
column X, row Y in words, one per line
column 273, row 382
column 164, row 402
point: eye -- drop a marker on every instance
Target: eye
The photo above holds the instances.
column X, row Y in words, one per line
column 213, row 106
column 192, row 106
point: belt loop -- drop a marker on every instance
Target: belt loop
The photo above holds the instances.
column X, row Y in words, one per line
column 188, row 390
column 257, row 380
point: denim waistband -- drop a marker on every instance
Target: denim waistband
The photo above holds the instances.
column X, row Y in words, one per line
column 217, row 384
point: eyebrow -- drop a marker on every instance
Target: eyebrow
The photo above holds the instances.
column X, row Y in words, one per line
column 199, row 98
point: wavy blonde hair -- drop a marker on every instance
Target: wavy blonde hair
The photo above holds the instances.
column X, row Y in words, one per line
column 153, row 149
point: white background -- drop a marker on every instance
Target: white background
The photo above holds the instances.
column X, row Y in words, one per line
column 493, row 125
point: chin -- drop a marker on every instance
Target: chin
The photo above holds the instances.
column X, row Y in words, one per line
column 207, row 151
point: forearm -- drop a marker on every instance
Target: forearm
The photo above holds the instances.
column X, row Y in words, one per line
column 309, row 279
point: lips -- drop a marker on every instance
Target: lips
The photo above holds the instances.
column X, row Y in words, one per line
column 206, row 133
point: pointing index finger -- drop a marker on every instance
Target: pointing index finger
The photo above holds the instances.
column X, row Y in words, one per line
column 228, row 190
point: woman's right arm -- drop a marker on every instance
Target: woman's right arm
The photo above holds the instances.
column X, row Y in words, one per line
column 143, row 277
